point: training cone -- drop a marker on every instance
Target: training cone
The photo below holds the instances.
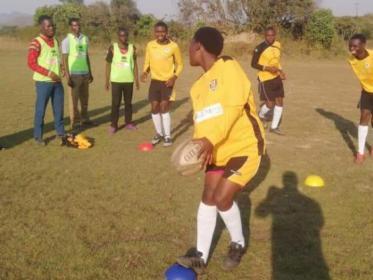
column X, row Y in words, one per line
column 145, row 147
column 178, row 272
column 314, row 181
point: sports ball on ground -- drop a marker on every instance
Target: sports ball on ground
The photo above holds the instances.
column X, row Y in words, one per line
column 178, row 272
column 185, row 158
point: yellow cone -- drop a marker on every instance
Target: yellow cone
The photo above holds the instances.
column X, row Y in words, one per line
column 314, row 181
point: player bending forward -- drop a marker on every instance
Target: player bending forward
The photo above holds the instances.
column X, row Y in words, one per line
column 361, row 61
column 230, row 134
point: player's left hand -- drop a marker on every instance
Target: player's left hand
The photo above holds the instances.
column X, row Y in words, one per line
column 206, row 151
column 282, row 75
column 171, row 82
column 137, row 84
column 90, row 79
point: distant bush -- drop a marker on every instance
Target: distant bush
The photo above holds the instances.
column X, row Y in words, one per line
column 320, row 29
column 347, row 26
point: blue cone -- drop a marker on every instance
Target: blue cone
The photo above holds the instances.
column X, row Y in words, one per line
column 178, row 272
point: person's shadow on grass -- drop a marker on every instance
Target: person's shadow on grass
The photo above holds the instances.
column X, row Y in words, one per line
column 244, row 204
column 346, row 128
column 296, row 224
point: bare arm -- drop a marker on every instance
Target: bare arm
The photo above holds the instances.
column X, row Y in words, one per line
column 89, row 68
column 107, row 75
column 65, row 65
column 136, row 70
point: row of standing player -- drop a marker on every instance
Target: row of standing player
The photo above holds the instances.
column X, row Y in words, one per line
column 163, row 60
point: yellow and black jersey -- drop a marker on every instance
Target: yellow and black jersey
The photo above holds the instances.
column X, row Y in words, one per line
column 163, row 61
column 266, row 55
column 364, row 71
column 225, row 113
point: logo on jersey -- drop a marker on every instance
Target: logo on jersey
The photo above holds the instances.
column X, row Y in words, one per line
column 209, row 112
column 213, row 85
column 367, row 65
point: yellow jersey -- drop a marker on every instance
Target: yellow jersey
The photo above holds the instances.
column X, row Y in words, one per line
column 267, row 55
column 364, row 71
column 163, row 61
column 225, row 112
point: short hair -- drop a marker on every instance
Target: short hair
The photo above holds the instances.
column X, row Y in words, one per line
column 360, row 37
column 124, row 30
column 211, row 39
column 270, row 28
column 71, row 20
column 161, row 24
column 42, row 18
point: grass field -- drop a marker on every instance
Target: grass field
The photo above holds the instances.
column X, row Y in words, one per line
column 112, row 212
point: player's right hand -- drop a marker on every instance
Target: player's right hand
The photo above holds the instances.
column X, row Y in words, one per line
column 107, row 86
column 54, row 77
column 206, row 151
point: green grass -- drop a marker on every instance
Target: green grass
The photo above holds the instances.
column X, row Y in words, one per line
column 112, row 212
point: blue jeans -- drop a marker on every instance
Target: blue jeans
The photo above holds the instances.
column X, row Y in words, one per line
column 44, row 92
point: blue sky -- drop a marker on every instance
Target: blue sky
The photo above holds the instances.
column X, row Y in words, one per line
column 162, row 8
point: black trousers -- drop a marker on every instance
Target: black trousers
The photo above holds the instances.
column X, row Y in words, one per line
column 117, row 91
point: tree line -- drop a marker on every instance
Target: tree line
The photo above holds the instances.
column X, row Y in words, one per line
column 297, row 19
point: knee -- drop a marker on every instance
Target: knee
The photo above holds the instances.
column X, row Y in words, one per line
column 279, row 102
column 164, row 109
column 155, row 109
column 222, row 203
column 208, row 197
column 365, row 118
column 270, row 105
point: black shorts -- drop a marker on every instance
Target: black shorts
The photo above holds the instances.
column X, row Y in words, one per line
column 159, row 92
column 271, row 89
column 366, row 101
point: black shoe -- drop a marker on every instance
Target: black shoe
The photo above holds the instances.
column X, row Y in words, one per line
column 61, row 140
column 89, row 123
column 156, row 139
column 167, row 142
column 233, row 259
column 276, row 131
column 193, row 259
column 40, row 142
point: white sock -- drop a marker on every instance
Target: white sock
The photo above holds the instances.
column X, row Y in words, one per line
column 157, row 123
column 263, row 111
column 277, row 113
column 362, row 138
column 232, row 220
column 206, row 222
column 166, row 119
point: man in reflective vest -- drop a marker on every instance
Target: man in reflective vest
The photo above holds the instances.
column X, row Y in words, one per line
column 45, row 60
column 121, row 75
column 78, row 73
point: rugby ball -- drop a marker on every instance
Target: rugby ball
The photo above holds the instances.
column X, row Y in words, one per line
column 185, row 158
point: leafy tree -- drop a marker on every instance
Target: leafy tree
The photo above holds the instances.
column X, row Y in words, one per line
column 320, row 28
column 44, row 10
column 144, row 26
column 124, row 13
column 346, row 27
column 76, row 2
column 256, row 14
column 96, row 19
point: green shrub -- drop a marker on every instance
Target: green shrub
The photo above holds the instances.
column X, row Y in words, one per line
column 320, row 28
